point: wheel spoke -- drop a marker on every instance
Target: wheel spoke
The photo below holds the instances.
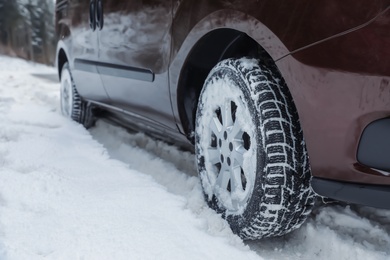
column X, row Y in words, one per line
column 238, row 156
column 226, row 111
column 223, row 177
column 216, row 126
column 214, row 155
column 235, row 180
column 236, row 131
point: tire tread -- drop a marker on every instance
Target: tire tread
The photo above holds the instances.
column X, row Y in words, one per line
column 288, row 198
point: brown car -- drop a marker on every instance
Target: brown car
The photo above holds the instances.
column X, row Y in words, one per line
column 277, row 98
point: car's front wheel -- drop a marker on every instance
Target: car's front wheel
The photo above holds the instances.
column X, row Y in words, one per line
column 72, row 105
column 250, row 150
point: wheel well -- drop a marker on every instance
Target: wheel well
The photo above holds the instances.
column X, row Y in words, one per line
column 62, row 59
column 215, row 46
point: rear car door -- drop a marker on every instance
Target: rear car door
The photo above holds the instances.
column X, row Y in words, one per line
column 134, row 52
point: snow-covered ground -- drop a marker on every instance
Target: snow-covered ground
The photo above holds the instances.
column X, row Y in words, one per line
column 69, row 193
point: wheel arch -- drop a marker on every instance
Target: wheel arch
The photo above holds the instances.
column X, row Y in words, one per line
column 62, row 55
column 213, row 47
column 62, row 58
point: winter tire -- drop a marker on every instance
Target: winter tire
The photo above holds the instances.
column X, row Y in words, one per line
column 72, row 105
column 250, row 150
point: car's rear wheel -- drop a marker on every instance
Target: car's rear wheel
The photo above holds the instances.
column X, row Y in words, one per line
column 72, row 105
column 250, row 150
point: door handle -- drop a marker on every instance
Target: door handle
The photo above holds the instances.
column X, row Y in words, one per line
column 92, row 14
column 99, row 14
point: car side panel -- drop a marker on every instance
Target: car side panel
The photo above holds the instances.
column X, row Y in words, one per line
column 280, row 27
column 79, row 43
column 295, row 23
column 134, row 53
column 339, row 87
column 338, row 72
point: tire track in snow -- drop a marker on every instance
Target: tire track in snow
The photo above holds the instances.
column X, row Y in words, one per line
column 168, row 165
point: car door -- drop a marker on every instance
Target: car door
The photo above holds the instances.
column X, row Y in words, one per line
column 83, row 47
column 134, row 52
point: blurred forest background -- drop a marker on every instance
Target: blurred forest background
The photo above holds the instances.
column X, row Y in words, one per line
column 27, row 29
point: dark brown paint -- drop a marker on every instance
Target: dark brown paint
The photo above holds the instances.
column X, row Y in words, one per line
column 339, row 87
column 137, row 34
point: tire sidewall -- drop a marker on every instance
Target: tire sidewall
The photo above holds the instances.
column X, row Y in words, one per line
column 66, row 76
column 80, row 111
column 239, row 221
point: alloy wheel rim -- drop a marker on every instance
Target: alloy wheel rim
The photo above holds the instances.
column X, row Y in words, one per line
column 228, row 146
column 66, row 96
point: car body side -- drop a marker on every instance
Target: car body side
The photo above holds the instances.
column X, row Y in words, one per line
column 334, row 56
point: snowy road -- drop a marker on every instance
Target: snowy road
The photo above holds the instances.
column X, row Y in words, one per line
column 69, row 193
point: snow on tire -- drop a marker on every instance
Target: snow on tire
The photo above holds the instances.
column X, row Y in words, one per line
column 250, row 150
column 72, row 105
